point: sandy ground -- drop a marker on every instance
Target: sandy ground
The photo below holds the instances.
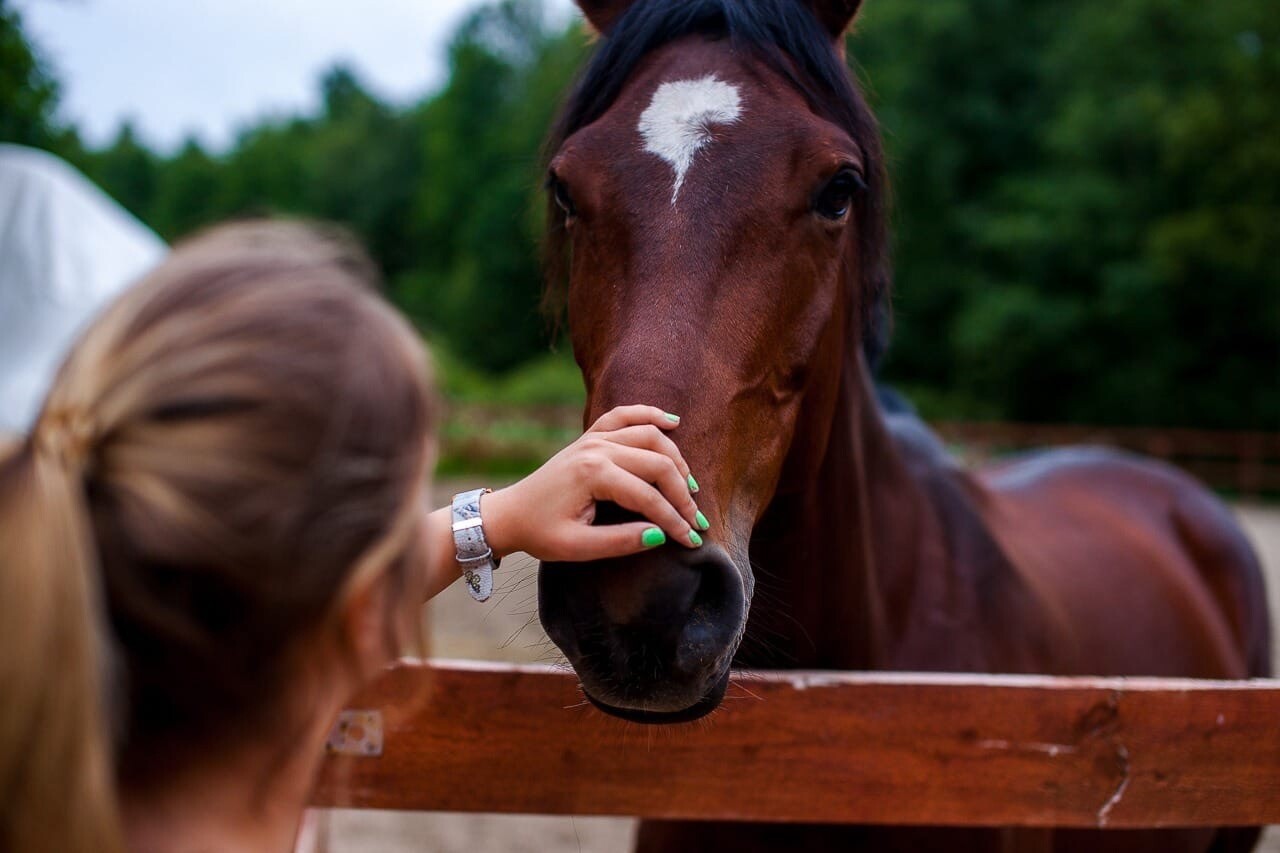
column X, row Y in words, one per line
column 506, row 628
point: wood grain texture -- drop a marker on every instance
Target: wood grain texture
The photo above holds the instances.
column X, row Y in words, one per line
column 828, row 747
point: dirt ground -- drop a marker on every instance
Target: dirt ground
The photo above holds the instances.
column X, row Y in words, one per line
column 506, row 628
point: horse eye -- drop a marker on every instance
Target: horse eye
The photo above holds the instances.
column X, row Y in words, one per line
column 561, row 194
column 836, row 197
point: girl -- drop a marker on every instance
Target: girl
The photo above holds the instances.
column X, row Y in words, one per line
column 217, row 532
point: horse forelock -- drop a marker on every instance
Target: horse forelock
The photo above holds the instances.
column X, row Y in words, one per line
column 787, row 37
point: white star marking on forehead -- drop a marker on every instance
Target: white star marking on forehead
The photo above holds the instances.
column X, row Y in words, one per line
column 677, row 123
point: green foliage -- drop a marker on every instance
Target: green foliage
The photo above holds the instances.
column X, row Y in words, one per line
column 129, row 171
column 475, row 206
column 28, row 92
column 187, row 186
column 552, row 379
column 1087, row 199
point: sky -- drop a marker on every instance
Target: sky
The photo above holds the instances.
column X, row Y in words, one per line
column 208, row 67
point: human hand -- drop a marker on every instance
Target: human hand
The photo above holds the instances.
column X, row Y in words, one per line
column 625, row 457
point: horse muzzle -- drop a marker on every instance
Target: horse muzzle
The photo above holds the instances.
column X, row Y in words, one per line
column 651, row 636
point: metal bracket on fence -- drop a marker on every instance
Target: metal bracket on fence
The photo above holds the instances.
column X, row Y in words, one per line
column 356, row 733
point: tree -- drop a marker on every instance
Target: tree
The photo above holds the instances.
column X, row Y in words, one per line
column 1086, row 194
column 364, row 168
column 480, row 279
column 956, row 86
column 128, row 171
column 28, row 91
column 187, row 192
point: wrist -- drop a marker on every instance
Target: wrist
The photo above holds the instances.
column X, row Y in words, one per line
column 499, row 514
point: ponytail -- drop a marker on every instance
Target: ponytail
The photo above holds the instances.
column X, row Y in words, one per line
column 57, row 790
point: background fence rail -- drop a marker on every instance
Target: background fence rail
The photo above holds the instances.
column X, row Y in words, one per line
column 1246, row 463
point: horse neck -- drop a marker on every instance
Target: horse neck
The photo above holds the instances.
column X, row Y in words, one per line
column 838, row 561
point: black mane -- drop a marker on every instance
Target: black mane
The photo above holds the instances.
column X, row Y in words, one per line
column 786, row 36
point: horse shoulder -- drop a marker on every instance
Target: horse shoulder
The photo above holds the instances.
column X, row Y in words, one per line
column 1136, row 552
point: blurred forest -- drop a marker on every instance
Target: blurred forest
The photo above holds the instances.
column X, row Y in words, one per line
column 1087, row 197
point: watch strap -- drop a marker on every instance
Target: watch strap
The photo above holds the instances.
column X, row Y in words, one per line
column 473, row 552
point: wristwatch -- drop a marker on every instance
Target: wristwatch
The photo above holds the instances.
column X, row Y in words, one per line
column 474, row 554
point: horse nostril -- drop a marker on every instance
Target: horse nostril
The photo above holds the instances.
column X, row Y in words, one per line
column 713, row 620
column 698, row 650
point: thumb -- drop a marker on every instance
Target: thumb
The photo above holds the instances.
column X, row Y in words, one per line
column 614, row 540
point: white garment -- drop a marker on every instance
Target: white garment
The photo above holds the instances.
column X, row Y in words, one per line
column 66, row 249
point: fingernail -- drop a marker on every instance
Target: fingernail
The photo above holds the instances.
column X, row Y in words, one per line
column 693, row 484
column 652, row 538
column 695, row 538
column 675, row 419
column 703, row 524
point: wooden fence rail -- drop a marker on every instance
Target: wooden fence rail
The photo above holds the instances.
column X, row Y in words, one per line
column 823, row 747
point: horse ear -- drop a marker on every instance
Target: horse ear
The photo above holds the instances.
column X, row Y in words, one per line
column 836, row 15
column 602, row 14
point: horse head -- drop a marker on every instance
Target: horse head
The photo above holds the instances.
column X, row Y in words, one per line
column 716, row 199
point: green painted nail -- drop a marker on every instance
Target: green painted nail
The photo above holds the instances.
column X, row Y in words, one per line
column 675, row 419
column 693, row 484
column 652, row 538
column 695, row 538
column 703, row 524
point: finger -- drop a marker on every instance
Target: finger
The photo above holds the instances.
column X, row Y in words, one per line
column 612, row 540
column 661, row 471
column 630, row 492
column 625, row 416
column 647, row 438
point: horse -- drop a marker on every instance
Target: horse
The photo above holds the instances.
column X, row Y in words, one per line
column 717, row 219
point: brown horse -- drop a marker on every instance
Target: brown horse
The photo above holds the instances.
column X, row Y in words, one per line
column 717, row 194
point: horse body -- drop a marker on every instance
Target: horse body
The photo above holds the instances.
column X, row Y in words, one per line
column 721, row 268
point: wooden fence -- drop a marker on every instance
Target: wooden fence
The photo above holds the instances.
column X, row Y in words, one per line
column 821, row 747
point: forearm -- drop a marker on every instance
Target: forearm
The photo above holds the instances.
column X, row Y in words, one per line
column 442, row 564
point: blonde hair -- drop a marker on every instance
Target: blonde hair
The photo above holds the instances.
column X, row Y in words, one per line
column 235, row 446
column 56, row 789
